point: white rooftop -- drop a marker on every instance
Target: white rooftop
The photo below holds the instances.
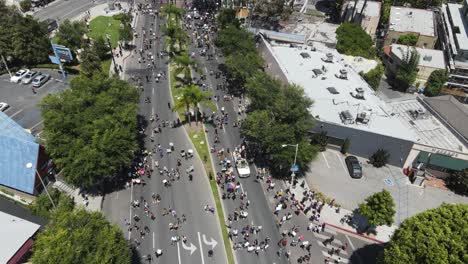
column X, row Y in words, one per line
column 427, row 57
column 458, row 21
column 14, row 232
column 322, row 32
column 372, row 8
column 429, row 130
column 328, row 106
column 405, row 19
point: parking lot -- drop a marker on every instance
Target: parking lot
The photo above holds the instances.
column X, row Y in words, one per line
column 329, row 175
column 24, row 102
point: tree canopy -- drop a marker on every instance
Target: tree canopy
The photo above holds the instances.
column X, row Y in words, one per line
column 90, row 63
column 408, row 39
column 227, row 16
column 42, row 206
column 70, row 33
column 90, row 130
column 436, row 81
column 378, row 208
column 278, row 114
column 407, row 72
column 435, row 236
column 80, row 237
column 191, row 96
column 458, row 181
column 354, row 41
column 373, row 76
column 232, row 39
column 22, row 37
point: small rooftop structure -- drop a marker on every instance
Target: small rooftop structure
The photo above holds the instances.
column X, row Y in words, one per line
column 458, row 35
column 279, row 36
column 427, row 57
column 405, row 19
column 16, row 239
column 18, row 148
column 350, row 97
column 322, row 32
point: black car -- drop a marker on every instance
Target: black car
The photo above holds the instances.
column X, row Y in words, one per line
column 354, row 167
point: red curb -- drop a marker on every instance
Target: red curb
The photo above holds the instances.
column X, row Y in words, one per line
column 355, row 233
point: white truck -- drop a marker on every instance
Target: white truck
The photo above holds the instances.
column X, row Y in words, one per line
column 242, row 166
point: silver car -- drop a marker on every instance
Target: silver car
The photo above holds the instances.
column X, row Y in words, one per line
column 40, row 80
column 27, row 79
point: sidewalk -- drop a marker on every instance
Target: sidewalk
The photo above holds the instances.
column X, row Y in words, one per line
column 90, row 203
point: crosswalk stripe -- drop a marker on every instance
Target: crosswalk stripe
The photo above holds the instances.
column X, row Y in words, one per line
column 324, row 237
column 335, row 257
column 329, row 246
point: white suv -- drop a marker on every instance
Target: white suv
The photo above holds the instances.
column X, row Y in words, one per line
column 19, row 75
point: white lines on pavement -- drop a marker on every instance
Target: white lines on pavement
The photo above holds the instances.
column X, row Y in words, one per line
column 131, row 199
column 324, row 237
column 153, row 241
column 21, row 110
column 335, row 257
column 341, row 162
column 39, row 123
column 326, row 161
column 153, row 91
column 178, row 252
column 350, row 243
column 201, row 248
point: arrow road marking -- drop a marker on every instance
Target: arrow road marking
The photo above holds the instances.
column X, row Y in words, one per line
column 192, row 248
column 212, row 243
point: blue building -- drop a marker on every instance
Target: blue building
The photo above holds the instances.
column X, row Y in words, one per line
column 22, row 160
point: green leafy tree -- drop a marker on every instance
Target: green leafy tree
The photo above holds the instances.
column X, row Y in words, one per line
column 232, row 39
column 90, row 63
column 184, row 65
column 407, row 72
column 373, row 76
column 192, row 96
column 345, row 147
column 43, row 207
column 458, row 181
column 70, row 34
column 25, row 5
column 90, row 129
column 321, row 140
column 408, row 39
column 379, row 158
column 354, row 41
column 379, row 209
column 227, row 16
column 170, row 9
column 434, row 236
column 436, row 82
column 239, row 70
column 22, row 37
column 176, row 38
column 101, row 48
column 126, row 33
column 80, row 237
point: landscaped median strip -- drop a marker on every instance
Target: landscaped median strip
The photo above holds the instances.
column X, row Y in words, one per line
column 199, row 140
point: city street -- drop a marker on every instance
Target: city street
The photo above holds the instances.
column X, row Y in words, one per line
column 65, row 9
column 183, row 199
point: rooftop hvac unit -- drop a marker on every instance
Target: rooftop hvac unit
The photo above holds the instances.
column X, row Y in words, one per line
column 427, row 58
column 343, row 74
column 362, row 118
column 328, row 58
column 346, row 117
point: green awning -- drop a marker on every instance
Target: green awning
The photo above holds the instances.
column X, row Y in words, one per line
column 447, row 162
column 423, row 157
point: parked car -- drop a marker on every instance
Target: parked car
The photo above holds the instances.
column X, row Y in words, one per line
column 3, row 107
column 18, row 75
column 40, row 79
column 27, row 79
column 354, row 167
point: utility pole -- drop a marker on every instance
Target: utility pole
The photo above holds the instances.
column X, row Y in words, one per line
column 6, row 65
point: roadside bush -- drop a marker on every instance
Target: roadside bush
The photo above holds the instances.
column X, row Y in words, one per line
column 345, row 146
column 373, row 76
column 379, row 158
column 321, row 140
column 25, row 5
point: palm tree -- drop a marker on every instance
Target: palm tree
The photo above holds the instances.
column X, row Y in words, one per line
column 184, row 66
column 192, row 96
column 171, row 9
column 176, row 37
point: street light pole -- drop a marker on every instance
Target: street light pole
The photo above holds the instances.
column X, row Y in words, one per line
column 116, row 70
column 293, row 174
column 30, row 166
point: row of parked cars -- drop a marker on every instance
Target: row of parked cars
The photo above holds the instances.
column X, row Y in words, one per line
column 25, row 76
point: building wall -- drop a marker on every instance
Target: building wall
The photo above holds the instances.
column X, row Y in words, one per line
column 427, row 42
column 370, row 24
column 364, row 143
column 271, row 66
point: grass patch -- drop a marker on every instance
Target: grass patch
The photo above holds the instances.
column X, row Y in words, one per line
column 198, row 137
column 102, row 25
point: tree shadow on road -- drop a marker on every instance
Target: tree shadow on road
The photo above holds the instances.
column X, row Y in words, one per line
column 367, row 254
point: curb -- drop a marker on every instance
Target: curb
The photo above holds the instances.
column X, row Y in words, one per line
column 354, row 233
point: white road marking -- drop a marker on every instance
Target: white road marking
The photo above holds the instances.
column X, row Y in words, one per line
column 153, row 91
column 39, row 123
column 324, row 237
column 21, row 110
column 211, row 243
column 178, row 252
column 341, row 162
column 350, row 243
column 326, row 161
column 117, row 196
column 131, row 199
column 201, row 248
column 153, row 241
column 335, row 257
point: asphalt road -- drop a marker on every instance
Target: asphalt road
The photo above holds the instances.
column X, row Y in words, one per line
column 63, row 9
column 185, row 197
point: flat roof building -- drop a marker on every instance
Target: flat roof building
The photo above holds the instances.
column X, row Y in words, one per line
column 368, row 17
column 346, row 107
column 405, row 20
